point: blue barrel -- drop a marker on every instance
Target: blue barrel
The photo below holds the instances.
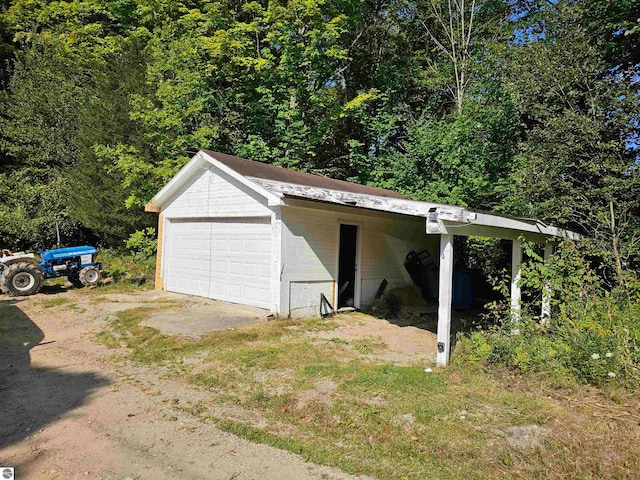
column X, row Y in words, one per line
column 462, row 290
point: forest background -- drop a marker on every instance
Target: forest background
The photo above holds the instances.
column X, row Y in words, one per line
column 522, row 107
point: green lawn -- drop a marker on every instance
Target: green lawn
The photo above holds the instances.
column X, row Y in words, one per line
column 277, row 384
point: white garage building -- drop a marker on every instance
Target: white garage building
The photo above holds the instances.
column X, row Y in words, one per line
column 246, row 232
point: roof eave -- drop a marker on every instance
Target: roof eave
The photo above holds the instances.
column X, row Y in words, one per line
column 455, row 217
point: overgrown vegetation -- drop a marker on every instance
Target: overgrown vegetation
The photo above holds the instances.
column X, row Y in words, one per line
column 593, row 334
column 135, row 268
column 279, row 384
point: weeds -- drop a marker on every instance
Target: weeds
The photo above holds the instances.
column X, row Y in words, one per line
column 128, row 272
column 54, row 302
column 593, row 335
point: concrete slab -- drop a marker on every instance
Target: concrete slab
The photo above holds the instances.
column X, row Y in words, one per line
column 200, row 318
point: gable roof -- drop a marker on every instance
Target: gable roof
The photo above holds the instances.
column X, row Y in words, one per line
column 281, row 186
column 265, row 171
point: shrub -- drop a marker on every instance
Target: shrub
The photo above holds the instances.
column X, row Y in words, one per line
column 592, row 336
column 474, row 347
column 143, row 243
column 120, row 265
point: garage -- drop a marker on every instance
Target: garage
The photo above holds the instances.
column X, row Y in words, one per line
column 256, row 234
column 225, row 259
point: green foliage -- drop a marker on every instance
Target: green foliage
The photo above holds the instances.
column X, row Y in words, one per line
column 596, row 344
column 32, row 203
column 125, row 267
column 143, row 243
column 593, row 335
column 56, row 106
column 579, row 157
column 473, row 348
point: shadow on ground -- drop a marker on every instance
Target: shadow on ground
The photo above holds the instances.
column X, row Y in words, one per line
column 31, row 398
column 405, row 307
column 53, row 289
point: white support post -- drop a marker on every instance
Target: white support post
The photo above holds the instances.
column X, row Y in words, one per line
column 445, row 296
column 545, row 314
column 516, row 264
column 276, row 261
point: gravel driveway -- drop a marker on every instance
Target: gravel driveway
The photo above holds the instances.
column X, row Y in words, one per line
column 69, row 412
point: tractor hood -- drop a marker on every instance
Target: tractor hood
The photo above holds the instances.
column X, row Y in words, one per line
column 68, row 252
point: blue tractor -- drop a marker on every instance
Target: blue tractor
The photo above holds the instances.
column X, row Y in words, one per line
column 21, row 274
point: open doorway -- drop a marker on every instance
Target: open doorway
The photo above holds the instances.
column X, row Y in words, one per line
column 347, row 266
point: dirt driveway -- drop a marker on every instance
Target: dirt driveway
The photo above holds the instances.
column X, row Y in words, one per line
column 68, row 412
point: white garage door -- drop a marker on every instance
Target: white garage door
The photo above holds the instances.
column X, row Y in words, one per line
column 222, row 259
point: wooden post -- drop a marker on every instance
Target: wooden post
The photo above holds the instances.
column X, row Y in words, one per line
column 158, row 280
column 545, row 314
column 516, row 264
column 445, row 296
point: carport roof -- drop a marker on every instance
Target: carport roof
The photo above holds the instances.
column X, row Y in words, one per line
column 280, row 186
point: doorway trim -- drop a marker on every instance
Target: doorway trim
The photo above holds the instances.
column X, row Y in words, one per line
column 357, row 292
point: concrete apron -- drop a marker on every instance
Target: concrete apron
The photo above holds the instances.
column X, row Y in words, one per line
column 196, row 320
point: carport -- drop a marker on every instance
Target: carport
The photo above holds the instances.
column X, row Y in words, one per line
column 448, row 223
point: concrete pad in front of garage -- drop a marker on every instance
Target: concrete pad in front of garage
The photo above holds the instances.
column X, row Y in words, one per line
column 201, row 316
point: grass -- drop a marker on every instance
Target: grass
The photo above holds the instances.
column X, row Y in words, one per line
column 368, row 345
column 76, row 308
column 273, row 383
column 124, row 285
column 54, row 302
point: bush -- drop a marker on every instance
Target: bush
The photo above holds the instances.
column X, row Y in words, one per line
column 143, row 243
column 120, row 265
column 592, row 336
column 594, row 346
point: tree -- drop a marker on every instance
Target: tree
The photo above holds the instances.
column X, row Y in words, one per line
column 578, row 167
column 38, row 125
column 56, row 106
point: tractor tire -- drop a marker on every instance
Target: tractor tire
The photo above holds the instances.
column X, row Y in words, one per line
column 21, row 279
column 90, row 276
column 2, row 269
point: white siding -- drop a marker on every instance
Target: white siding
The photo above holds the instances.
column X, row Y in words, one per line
column 310, row 243
column 216, row 194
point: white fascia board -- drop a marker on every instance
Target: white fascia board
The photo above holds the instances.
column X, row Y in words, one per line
column 448, row 217
column 533, row 226
column 273, row 199
column 203, row 161
column 180, row 178
column 359, row 200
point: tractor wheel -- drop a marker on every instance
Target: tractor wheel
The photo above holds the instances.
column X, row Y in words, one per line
column 21, row 279
column 2, row 269
column 89, row 276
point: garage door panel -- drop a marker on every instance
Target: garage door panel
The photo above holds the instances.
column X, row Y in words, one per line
column 223, row 259
column 265, row 273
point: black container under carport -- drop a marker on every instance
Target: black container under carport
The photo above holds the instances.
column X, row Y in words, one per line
column 424, row 273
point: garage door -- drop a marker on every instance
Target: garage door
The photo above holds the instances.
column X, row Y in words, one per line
column 222, row 259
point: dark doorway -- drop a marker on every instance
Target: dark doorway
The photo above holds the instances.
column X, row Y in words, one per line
column 347, row 266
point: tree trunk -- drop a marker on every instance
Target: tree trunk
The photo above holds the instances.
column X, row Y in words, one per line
column 615, row 245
